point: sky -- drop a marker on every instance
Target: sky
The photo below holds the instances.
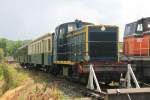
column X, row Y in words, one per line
column 29, row 19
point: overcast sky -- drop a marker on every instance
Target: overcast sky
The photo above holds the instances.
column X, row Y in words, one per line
column 27, row 19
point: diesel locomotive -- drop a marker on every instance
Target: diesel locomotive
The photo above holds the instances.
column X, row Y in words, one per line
column 72, row 48
column 137, row 46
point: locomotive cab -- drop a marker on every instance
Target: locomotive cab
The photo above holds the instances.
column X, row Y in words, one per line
column 60, row 50
column 81, row 41
column 136, row 38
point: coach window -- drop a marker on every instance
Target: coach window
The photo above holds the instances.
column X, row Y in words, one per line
column 42, row 46
column 43, row 49
column 45, row 43
column 39, row 47
column 32, row 49
column 49, row 45
column 36, row 48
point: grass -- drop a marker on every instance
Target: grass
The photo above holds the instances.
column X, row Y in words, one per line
column 44, row 93
column 37, row 85
column 11, row 77
column 1, row 73
column 14, row 76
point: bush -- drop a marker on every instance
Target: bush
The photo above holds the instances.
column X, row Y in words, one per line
column 1, row 73
column 11, row 77
column 1, row 54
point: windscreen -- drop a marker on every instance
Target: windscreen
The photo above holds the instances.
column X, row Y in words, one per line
column 146, row 24
column 130, row 29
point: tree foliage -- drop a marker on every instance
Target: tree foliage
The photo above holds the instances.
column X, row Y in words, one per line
column 3, row 44
column 9, row 47
column 1, row 54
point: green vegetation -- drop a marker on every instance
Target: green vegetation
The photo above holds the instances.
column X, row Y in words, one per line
column 10, row 77
column 9, row 47
column 3, row 44
column 1, row 54
column 32, row 85
column 120, row 46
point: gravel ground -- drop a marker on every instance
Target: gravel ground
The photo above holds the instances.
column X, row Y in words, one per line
column 70, row 90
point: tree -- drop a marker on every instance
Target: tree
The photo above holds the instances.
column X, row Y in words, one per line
column 3, row 45
column 1, row 54
column 10, row 47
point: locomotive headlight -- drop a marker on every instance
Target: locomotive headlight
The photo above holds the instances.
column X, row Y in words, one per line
column 103, row 28
column 86, row 58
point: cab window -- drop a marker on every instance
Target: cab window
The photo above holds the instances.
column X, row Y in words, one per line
column 71, row 27
column 61, row 33
column 148, row 25
column 130, row 29
column 139, row 27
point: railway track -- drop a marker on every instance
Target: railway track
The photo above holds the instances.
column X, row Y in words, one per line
column 74, row 88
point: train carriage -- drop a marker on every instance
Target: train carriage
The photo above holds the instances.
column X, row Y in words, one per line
column 40, row 51
column 21, row 54
column 37, row 53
